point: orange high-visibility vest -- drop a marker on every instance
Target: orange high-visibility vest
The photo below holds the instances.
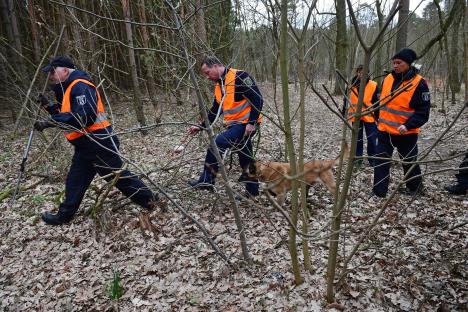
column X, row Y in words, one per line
column 369, row 90
column 396, row 111
column 101, row 121
column 234, row 112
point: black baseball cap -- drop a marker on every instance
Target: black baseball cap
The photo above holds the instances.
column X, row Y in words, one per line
column 59, row 61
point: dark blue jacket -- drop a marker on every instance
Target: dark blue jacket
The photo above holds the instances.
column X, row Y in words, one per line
column 83, row 106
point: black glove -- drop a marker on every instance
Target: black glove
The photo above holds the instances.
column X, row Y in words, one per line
column 42, row 99
column 42, row 124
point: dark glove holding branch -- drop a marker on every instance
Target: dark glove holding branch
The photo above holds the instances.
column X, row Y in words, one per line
column 42, row 99
column 43, row 124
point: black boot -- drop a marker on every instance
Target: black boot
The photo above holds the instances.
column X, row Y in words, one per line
column 205, row 182
column 203, row 185
column 457, row 189
column 56, row 219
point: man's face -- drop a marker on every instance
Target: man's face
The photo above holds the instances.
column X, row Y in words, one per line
column 59, row 74
column 400, row 66
column 213, row 73
column 359, row 74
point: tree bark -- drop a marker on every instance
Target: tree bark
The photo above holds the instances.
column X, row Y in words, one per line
column 379, row 53
column 341, row 43
column 454, row 75
column 34, row 32
column 137, row 103
column 77, row 41
column 465, row 50
column 289, row 141
column 149, row 60
column 402, row 25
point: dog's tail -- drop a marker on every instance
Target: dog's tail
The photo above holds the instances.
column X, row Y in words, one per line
column 327, row 164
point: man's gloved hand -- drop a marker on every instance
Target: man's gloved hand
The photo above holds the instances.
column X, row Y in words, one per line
column 42, row 99
column 42, row 124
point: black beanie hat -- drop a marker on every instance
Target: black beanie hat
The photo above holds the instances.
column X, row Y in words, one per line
column 406, row 55
column 58, row 61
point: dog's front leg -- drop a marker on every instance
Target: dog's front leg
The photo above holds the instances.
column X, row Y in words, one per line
column 280, row 198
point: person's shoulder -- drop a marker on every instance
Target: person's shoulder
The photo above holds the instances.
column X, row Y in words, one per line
column 244, row 78
column 241, row 73
column 423, row 83
column 81, row 87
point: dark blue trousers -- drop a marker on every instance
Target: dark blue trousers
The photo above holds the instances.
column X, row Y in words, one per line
column 232, row 137
column 371, row 134
column 462, row 175
column 407, row 148
column 89, row 159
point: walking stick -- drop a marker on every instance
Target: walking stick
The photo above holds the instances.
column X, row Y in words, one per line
column 31, row 133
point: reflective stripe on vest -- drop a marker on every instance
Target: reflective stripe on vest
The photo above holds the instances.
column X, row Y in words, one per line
column 101, row 121
column 369, row 91
column 396, row 111
column 233, row 112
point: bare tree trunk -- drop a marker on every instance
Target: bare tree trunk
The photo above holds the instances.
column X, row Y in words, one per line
column 304, row 188
column 15, row 27
column 379, row 53
column 302, row 90
column 34, row 32
column 137, row 104
column 149, row 63
column 289, row 140
column 465, row 50
column 90, row 38
column 200, row 27
column 10, row 22
column 77, row 41
column 402, row 25
column 63, row 21
column 454, row 76
column 341, row 43
column 341, row 195
column 200, row 31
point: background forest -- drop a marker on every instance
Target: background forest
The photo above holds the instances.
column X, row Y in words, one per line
column 210, row 252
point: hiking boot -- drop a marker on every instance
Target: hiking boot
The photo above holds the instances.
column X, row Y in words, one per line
column 457, row 189
column 56, row 219
column 202, row 185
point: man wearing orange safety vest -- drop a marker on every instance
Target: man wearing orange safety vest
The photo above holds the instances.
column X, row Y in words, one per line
column 368, row 121
column 406, row 104
column 238, row 98
column 81, row 114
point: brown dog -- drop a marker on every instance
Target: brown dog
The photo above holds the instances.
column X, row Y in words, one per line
column 278, row 178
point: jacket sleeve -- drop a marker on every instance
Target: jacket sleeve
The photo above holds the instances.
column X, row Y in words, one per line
column 83, row 108
column 246, row 85
column 421, row 103
column 212, row 113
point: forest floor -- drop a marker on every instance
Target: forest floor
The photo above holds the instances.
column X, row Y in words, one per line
column 416, row 259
